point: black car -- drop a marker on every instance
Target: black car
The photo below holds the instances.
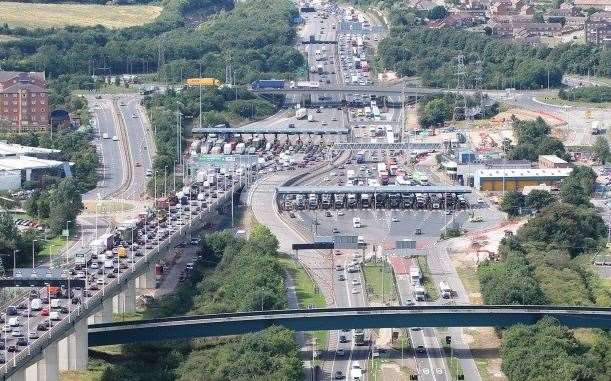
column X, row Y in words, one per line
column 112, row 274
column 11, row 310
column 76, row 300
column 64, row 310
column 22, row 341
column 42, row 326
column 339, row 375
column 12, row 348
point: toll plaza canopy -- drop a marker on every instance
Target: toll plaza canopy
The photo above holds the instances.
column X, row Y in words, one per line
column 371, row 190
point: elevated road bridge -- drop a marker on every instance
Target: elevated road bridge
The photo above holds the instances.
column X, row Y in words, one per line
column 394, row 91
column 187, row 327
column 389, row 146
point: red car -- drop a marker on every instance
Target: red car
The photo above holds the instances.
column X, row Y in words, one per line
column 44, row 312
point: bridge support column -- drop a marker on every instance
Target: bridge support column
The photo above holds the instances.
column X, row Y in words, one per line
column 147, row 280
column 125, row 302
column 78, row 343
column 18, row 376
column 48, row 367
column 64, row 354
column 104, row 315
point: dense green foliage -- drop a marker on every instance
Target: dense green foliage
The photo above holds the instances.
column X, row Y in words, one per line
column 512, row 203
column 254, row 38
column 235, row 275
column 438, row 12
column 533, row 139
column 437, row 109
column 431, row 54
column 547, row 261
column 547, row 350
column 578, row 187
column 58, row 204
column 596, row 94
column 600, row 148
column 12, row 239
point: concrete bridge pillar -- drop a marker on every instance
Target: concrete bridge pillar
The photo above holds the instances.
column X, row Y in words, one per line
column 48, row 367
column 125, row 302
column 147, row 279
column 103, row 315
column 18, row 376
column 64, row 354
column 78, row 342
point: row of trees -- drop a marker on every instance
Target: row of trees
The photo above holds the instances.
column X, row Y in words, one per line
column 236, row 275
column 15, row 243
column 432, row 54
column 252, row 39
column 548, row 262
column 596, row 94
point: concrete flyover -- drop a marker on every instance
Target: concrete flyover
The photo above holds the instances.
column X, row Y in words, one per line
column 187, row 327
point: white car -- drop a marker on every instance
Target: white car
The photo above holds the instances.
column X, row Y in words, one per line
column 105, row 136
column 356, row 282
column 340, row 213
column 394, row 219
column 115, row 138
column 355, row 290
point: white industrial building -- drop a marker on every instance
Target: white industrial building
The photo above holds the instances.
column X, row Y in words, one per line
column 22, row 163
column 506, row 179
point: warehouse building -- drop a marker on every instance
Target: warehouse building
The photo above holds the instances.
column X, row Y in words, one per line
column 19, row 164
column 507, row 179
column 552, row 161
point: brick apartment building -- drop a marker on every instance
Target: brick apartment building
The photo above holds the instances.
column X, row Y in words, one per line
column 24, row 104
column 598, row 28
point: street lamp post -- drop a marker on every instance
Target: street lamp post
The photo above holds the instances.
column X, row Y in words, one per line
column 33, row 241
column 15, row 260
column 67, row 238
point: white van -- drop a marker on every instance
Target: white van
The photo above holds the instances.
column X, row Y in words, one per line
column 54, row 315
column 356, row 222
column 14, row 322
column 360, row 240
column 55, row 303
column 36, row 304
column 108, row 264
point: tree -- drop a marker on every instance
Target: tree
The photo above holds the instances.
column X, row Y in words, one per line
column 438, row 12
column 572, row 192
column 563, row 226
column 538, row 199
column 435, row 112
column 512, row 203
column 600, row 148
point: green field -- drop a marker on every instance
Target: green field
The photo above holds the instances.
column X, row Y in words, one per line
column 58, row 15
column 379, row 282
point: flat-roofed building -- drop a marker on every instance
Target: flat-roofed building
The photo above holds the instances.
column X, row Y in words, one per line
column 507, row 179
column 552, row 161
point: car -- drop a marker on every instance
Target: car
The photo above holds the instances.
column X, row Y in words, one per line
column 12, row 348
column 395, row 219
column 17, row 332
column 340, row 352
column 340, row 213
column 138, row 164
column 134, row 115
column 22, row 341
column 99, row 281
column 34, row 335
column 339, row 375
column 94, row 265
column 420, row 349
column 355, row 290
column 356, row 282
column 115, row 138
column 343, row 339
column 341, row 277
column 44, row 311
column 105, row 136
column 64, row 310
column 409, row 302
column 335, row 230
column 328, row 213
column 149, row 173
column 6, row 328
column 54, row 315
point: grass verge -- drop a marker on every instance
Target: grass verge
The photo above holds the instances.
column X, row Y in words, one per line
column 379, row 281
column 307, row 293
column 30, row 15
column 427, row 279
